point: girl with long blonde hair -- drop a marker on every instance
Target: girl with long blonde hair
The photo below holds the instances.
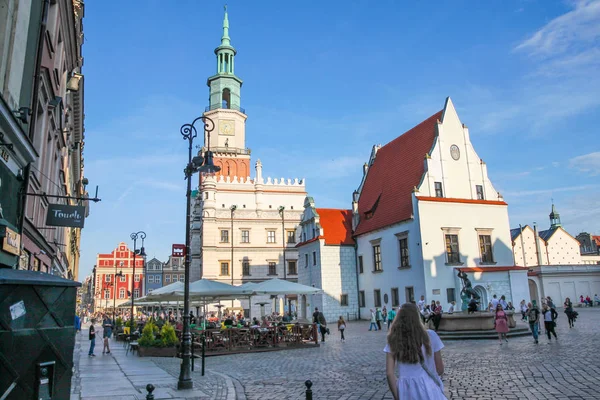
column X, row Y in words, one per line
column 413, row 362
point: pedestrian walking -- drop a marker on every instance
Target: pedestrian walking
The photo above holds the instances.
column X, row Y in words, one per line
column 501, row 323
column 421, row 303
column 533, row 315
column 77, row 323
column 550, row 315
column 523, row 308
column 322, row 325
column 373, row 320
column 550, row 302
column 413, row 362
column 390, row 318
column 384, row 313
column 107, row 333
column 92, row 337
column 342, row 328
column 571, row 314
column 378, row 317
column 437, row 315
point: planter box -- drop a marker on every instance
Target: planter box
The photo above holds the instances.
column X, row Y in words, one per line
column 157, row 351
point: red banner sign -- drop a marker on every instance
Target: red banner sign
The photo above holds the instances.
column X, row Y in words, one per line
column 178, row 250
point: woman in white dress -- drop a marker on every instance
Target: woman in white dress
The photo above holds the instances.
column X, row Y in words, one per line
column 414, row 362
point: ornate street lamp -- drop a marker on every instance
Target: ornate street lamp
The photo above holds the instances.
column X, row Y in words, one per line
column 203, row 165
column 119, row 274
column 134, row 236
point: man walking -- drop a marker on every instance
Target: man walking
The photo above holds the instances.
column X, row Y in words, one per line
column 390, row 317
column 92, row 337
column 378, row 317
column 533, row 315
column 322, row 323
column 373, row 320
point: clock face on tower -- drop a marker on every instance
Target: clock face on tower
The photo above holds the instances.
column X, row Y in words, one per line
column 455, row 152
column 226, row 127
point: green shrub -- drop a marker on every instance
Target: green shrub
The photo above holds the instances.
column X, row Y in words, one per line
column 119, row 322
column 168, row 336
column 148, row 336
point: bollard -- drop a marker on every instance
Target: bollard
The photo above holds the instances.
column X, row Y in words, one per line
column 308, row 390
column 150, row 389
column 203, row 351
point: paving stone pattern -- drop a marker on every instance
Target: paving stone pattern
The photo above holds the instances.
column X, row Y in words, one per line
column 565, row 369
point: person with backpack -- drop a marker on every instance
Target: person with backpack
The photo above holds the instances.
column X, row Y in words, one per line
column 378, row 317
column 322, row 325
column 533, row 315
column 550, row 315
column 92, row 337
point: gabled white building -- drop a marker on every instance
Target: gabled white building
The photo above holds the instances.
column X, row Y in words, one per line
column 327, row 260
column 556, row 265
column 426, row 209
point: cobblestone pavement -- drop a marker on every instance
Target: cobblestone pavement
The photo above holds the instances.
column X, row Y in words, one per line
column 565, row 369
column 119, row 376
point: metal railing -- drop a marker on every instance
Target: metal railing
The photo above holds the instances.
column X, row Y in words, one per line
column 225, row 107
column 229, row 150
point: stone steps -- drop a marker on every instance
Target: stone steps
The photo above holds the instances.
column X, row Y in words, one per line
column 482, row 335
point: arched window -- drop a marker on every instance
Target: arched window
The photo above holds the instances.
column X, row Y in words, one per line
column 226, row 98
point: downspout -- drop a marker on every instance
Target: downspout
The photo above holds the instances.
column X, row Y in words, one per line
column 537, row 245
column 34, row 105
column 356, row 272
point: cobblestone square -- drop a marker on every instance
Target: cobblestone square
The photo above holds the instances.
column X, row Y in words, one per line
column 565, row 369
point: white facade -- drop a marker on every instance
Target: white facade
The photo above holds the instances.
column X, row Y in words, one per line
column 467, row 209
column 328, row 266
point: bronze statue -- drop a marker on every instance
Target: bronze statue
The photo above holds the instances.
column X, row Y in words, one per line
column 467, row 287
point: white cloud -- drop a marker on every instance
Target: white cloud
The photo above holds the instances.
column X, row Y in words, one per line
column 589, row 163
column 580, row 26
column 546, row 192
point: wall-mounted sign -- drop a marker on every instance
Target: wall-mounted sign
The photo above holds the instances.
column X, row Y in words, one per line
column 65, row 215
column 178, row 250
column 12, row 242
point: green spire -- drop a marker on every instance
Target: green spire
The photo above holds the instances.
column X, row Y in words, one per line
column 554, row 218
column 225, row 38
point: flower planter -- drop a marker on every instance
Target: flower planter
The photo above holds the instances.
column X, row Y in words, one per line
column 157, row 351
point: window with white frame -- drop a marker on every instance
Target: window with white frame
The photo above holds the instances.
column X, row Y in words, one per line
column 137, row 278
column 224, row 268
column 452, row 249
column 272, row 268
column 224, row 236
column 403, row 246
column 150, row 278
column 136, row 293
column 181, row 278
column 107, row 278
column 377, row 266
column 271, row 237
column 122, row 278
column 122, row 293
column 107, row 293
column 167, row 278
column 485, row 249
column 245, row 236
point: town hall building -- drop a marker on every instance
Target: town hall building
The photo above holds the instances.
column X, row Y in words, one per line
column 244, row 225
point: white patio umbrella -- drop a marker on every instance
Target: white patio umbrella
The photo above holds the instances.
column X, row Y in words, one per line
column 280, row 286
column 205, row 288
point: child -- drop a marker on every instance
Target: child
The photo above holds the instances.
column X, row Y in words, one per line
column 342, row 327
column 92, row 337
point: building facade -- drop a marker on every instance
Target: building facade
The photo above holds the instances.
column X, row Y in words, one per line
column 115, row 280
column 242, row 225
column 154, row 275
column 20, row 31
column 327, row 260
column 557, row 267
column 173, row 270
column 56, row 130
column 426, row 210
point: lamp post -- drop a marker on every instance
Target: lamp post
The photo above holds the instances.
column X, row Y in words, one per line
column 134, row 236
column 281, row 212
column 203, row 165
column 115, row 292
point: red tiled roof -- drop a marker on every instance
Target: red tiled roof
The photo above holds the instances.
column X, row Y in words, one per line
column 397, row 169
column 337, row 226
column 597, row 240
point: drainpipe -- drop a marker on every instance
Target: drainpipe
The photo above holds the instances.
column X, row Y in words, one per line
column 537, row 244
column 356, row 272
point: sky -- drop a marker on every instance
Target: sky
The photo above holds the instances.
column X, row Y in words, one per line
column 323, row 83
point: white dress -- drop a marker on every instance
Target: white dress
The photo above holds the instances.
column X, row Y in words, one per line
column 414, row 383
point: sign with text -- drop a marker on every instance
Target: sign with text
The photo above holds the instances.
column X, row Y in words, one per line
column 178, row 250
column 65, row 215
column 12, row 242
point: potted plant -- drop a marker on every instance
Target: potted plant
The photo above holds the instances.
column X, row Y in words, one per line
column 151, row 346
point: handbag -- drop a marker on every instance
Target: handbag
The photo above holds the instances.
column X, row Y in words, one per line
column 342, row 327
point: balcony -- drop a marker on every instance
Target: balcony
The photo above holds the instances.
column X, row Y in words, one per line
column 225, row 107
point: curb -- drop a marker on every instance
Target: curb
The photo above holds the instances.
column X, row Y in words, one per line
column 235, row 390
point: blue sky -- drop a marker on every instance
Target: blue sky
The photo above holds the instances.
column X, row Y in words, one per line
column 323, row 82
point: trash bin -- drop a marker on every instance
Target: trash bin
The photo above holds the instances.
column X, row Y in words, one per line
column 37, row 335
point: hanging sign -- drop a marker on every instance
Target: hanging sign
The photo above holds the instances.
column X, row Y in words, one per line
column 178, row 250
column 65, row 215
column 12, row 241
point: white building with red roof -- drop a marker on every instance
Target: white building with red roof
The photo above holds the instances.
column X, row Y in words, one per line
column 426, row 209
column 327, row 260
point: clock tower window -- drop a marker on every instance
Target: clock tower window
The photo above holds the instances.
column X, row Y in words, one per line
column 226, row 98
